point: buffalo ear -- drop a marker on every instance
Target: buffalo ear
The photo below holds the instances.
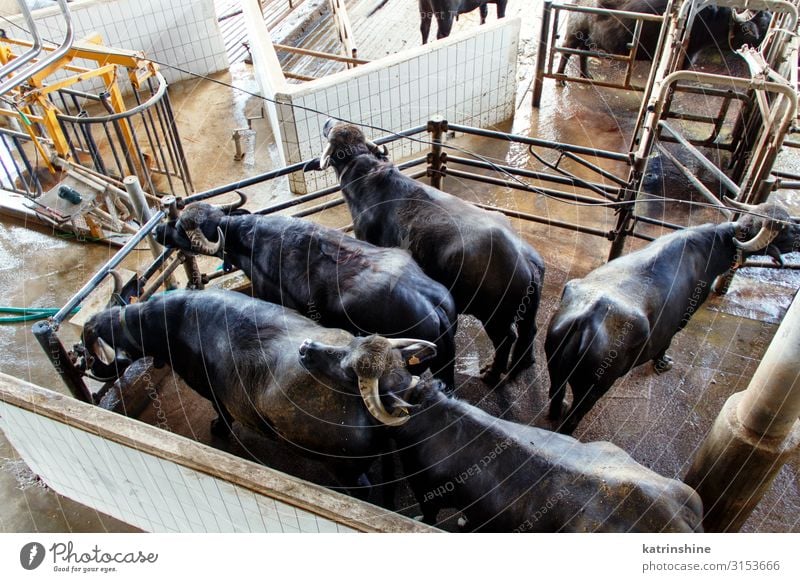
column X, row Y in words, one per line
column 312, row 166
column 418, row 353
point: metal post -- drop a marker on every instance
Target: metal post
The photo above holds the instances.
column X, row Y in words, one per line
column 193, row 273
column 137, row 196
column 538, row 81
column 625, row 216
column 754, row 435
column 52, row 346
column 437, row 127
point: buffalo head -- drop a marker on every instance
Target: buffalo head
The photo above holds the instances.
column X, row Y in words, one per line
column 197, row 225
column 106, row 350
column 375, row 365
column 748, row 28
column 345, row 142
column 766, row 227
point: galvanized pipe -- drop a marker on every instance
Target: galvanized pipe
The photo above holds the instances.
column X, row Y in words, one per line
column 105, row 269
column 756, row 432
column 27, row 73
column 58, row 356
column 541, row 143
column 32, row 52
column 557, row 179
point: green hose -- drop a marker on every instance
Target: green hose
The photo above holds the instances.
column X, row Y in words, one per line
column 23, row 314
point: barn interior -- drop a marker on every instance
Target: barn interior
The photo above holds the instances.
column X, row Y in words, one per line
column 661, row 420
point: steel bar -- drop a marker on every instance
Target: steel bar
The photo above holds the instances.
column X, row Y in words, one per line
column 703, row 160
column 106, row 268
column 558, row 194
column 558, row 179
column 541, row 143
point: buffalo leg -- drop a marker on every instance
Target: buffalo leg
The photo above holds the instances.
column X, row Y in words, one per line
column 502, row 336
column 582, row 402
column 522, row 357
column 501, row 8
column 484, row 10
column 444, row 24
column 558, row 390
column 425, row 25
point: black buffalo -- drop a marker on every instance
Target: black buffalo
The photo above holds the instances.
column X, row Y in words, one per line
column 242, row 355
column 626, row 312
column 714, row 26
column 332, row 278
column 446, row 11
column 490, row 271
column 509, row 477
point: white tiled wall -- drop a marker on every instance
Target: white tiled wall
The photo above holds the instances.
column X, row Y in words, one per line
column 470, row 79
column 184, row 34
column 143, row 490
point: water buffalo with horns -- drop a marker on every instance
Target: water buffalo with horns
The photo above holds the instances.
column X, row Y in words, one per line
column 719, row 27
column 786, row 241
column 491, row 272
column 510, row 477
column 242, row 355
column 332, row 278
column 446, row 11
column 626, row 312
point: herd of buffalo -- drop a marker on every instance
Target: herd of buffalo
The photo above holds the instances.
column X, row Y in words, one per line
column 332, row 351
column 347, row 347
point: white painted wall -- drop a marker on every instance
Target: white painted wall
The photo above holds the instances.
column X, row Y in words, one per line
column 467, row 78
column 184, row 34
column 148, row 492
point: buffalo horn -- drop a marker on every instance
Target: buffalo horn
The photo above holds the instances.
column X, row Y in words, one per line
column 369, row 392
column 402, row 342
column 743, row 16
column 226, row 208
column 376, row 150
column 765, row 236
column 104, row 352
column 202, row 245
column 740, row 205
column 325, row 158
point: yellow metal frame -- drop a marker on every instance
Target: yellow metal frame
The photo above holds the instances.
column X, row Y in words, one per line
column 32, row 95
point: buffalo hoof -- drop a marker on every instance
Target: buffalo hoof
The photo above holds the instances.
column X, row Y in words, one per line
column 492, row 378
column 662, row 364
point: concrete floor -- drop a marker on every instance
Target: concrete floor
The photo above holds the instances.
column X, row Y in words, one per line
column 660, row 420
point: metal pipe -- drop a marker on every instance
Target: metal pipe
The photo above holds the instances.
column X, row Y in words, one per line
column 610, row 13
column 32, row 52
column 538, row 81
column 699, row 186
column 143, row 211
column 321, row 55
column 541, row 143
column 610, row 191
column 550, row 193
column 756, row 432
column 58, row 356
column 704, row 161
column 106, row 268
column 27, row 73
column 437, row 127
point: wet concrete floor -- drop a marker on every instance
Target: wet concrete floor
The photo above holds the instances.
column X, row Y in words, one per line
column 660, row 420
